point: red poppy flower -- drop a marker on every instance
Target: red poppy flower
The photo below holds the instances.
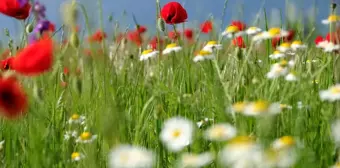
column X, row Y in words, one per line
column 35, row 58
column 13, row 101
column 154, row 43
column 173, row 35
column 142, row 29
column 98, row 36
column 135, row 37
column 318, row 39
column 174, row 13
column 6, row 64
column 188, row 33
column 290, row 36
column 12, row 8
column 206, row 27
column 276, row 41
column 238, row 42
column 240, row 25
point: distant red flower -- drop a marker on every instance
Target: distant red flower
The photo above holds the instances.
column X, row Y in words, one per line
column 135, row 37
column 155, row 41
column 173, row 35
column 206, row 27
column 6, row 64
column 142, row 29
column 13, row 9
column 174, row 13
column 98, row 36
column 238, row 42
column 188, row 33
column 13, row 101
column 318, row 39
column 240, row 25
column 276, row 41
column 66, row 71
column 35, row 59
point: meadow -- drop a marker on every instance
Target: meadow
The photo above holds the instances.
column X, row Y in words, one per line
column 247, row 96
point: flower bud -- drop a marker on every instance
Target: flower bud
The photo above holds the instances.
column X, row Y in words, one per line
column 29, row 28
column 74, row 40
column 161, row 24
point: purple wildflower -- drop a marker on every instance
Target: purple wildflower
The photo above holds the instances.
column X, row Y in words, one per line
column 32, row 38
column 39, row 9
column 42, row 25
column 22, row 2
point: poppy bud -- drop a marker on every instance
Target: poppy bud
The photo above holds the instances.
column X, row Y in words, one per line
column 110, row 18
column 7, row 32
column 74, row 40
column 333, row 6
column 161, row 24
column 29, row 28
column 78, row 85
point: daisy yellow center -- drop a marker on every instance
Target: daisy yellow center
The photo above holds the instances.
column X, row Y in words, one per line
column 283, row 106
column 217, row 132
column 274, row 31
column 176, row 133
column 285, row 45
column 242, row 140
column 189, row 160
column 75, row 155
column 252, row 28
column 277, row 52
column 337, row 165
column 239, row 106
column 75, row 117
column 146, row 52
column 261, row 106
column 172, row 45
column 86, row 136
column 212, row 43
column 335, row 90
column 283, row 63
column 287, row 140
column 297, row 43
column 232, row 29
column 332, row 18
column 204, row 53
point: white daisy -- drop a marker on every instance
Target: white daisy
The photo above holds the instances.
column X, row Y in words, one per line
column 284, row 47
column 220, row 132
column 203, row 122
column 331, row 19
column 69, row 134
column 195, row 160
column 211, row 46
column 284, row 142
column 277, row 70
column 322, row 44
column 296, row 45
column 280, row 158
column 77, row 119
column 147, row 54
column 331, row 94
column 277, row 55
column 173, row 47
column 76, row 156
column 261, row 107
column 127, row 156
column 253, row 30
column 232, row 31
column 258, row 37
column 291, row 77
column 330, row 47
column 177, row 133
column 274, row 32
column 291, row 63
column 86, row 137
column 240, row 152
column 238, row 107
column 204, row 55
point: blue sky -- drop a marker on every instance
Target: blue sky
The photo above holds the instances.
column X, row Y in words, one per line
column 198, row 10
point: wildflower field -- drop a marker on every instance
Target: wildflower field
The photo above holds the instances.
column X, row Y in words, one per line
column 247, row 96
